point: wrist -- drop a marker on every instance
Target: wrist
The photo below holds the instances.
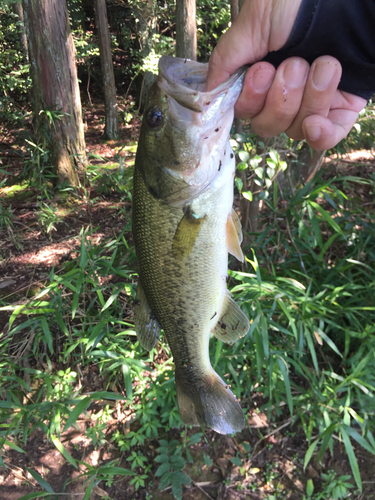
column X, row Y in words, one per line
column 282, row 19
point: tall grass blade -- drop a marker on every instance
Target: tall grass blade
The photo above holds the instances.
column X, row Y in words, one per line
column 42, row 482
column 352, row 458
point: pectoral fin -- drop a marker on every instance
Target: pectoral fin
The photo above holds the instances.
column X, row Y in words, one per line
column 232, row 323
column 146, row 325
column 234, row 236
column 186, row 235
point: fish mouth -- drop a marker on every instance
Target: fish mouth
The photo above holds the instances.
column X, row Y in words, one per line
column 185, row 81
column 203, row 118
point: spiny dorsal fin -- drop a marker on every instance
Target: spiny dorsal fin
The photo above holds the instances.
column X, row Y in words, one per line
column 186, row 234
column 146, row 325
column 234, row 236
column 232, row 323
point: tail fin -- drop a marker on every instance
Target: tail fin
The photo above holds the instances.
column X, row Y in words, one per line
column 210, row 402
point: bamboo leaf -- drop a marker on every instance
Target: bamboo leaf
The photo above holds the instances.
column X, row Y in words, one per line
column 326, row 216
column 116, row 471
column 106, row 395
column 64, row 452
column 127, row 380
column 12, row 446
column 89, row 490
column 327, row 244
column 312, row 349
column 96, row 336
column 331, row 344
column 360, row 439
column 47, row 334
column 113, row 297
column 310, row 452
column 36, row 494
column 284, row 370
column 14, row 314
column 352, row 458
column 42, row 482
column 61, row 323
column 77, row 294
column 83, row 259
column 74, row 414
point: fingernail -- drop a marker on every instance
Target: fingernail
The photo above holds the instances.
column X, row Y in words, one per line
column 262, row 80
column 323, row 73
column 313, row 132
column 295, row 73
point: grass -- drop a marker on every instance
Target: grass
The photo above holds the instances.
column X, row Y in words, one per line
column 308, row 289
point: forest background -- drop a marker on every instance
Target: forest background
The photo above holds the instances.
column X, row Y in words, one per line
column 85, row 412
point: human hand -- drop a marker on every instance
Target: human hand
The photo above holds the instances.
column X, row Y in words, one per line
column 300, row 100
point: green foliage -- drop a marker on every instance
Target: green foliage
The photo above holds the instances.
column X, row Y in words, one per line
column 170, row 468
column 310, row 300
column 213, row 18
column 38, row 168
column 333, row 488
column 97, row 432
column 7, row 217
column 15, row 82
column 258, row 162
column 307, row 291
column 53, row 312
column 362, row 134
column 48, row 217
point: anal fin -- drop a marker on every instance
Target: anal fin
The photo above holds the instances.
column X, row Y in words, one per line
column 146, row 325
column 232, row 323
column 234, row 236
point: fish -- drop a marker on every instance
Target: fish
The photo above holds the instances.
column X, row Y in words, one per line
column 183, row 228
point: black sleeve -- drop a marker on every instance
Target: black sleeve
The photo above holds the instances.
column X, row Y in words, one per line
column 344, row 29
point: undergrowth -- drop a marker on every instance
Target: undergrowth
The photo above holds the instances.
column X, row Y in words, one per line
column 309, row 291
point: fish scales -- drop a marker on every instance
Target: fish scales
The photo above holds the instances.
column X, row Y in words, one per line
column 181, row 236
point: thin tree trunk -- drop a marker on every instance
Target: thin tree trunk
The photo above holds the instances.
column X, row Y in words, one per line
column 186, row 29
column 249, row 210
column 145, row 26
column 111, row 110
column 301, row 169
column 18, row 9
column 55, row 83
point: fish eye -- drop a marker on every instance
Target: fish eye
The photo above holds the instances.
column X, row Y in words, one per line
column 155, row 117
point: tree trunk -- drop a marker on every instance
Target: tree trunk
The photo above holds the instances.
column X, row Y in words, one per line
column 249, row 209
column 301, row 169
column 145, row 26
column 111, row 110
column 186, row 29
column 55, row 84
column 18, row 9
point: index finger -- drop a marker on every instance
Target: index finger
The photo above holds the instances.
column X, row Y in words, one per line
column 244, row 43
column 261, row 26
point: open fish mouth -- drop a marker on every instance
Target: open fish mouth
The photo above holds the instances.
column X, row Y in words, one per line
column 205, row 118
column 185, row 81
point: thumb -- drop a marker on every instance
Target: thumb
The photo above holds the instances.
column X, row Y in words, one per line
column 260, row 27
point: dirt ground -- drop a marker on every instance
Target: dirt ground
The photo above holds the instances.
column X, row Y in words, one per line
column 277, row 452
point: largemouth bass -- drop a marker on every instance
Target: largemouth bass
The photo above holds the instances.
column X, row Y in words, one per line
column 183, row 227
